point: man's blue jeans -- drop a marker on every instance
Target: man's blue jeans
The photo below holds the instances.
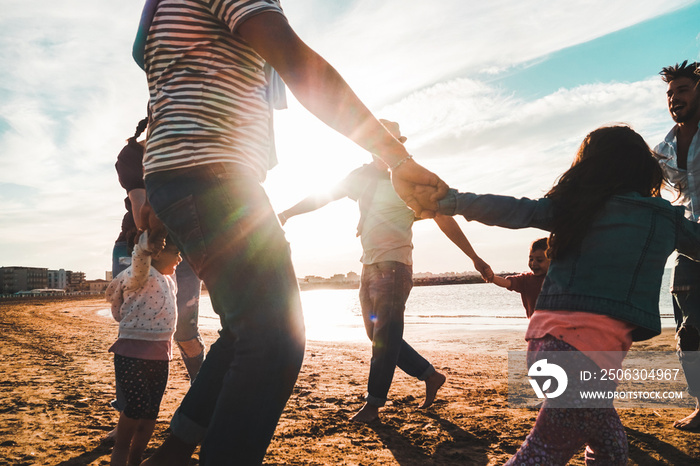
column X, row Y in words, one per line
column 384, row 289
column 222, row 221
column 187, row 338
column 119, row 252
column 686, row 310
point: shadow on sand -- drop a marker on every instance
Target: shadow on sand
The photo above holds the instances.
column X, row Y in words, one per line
column 459, row 446
column 642, row 445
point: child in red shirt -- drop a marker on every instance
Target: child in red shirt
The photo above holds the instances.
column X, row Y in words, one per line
column 529, row 284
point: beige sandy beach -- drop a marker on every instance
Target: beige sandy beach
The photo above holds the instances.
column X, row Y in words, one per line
column 56, row 379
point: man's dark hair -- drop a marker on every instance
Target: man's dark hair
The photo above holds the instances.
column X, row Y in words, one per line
column 684, row 70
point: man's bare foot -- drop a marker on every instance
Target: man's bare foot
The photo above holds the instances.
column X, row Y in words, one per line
column 691, row 422
column 173, row 452
column 367, row 414
column 432, row 385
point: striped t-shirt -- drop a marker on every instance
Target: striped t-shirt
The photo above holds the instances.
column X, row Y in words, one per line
column 208, row 89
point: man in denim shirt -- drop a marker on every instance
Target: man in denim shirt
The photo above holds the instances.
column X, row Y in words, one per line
column 679, row 156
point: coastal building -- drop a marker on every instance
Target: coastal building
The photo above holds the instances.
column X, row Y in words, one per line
column 58, row 279
column 67, row 280
column 15, row 279
column 97, row 286
column 76, row 281
column 338, row 281
column 337, row 278
column 311, row 279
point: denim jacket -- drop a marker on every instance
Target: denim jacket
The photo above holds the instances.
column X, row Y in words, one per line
column 618, row 268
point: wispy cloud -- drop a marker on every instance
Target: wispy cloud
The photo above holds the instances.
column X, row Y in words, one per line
column 392, row 47
column 461, row 123
column 70, row 96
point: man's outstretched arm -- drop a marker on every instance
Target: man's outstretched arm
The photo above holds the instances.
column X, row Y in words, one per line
column 451, row 228
column 321, row 89
column 309, row 204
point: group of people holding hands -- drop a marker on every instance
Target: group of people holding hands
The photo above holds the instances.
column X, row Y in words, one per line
column 213, row 71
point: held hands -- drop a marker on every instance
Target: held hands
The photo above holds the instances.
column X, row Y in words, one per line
column 419, row 188
column 156, row 229
column 142, row 241
column 484, row 269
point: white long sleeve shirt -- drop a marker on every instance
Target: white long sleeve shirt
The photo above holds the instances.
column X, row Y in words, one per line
column 686, row 182
column 143, row 299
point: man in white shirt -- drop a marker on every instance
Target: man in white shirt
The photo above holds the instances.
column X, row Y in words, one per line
column 679, row 156
column 387, row 275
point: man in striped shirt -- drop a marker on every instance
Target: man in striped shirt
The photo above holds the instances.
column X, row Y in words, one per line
column 209, row 147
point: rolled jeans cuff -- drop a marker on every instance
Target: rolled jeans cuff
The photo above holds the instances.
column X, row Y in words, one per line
column 427, row 373
column 374, row 401
column 186, row 429
column 690, row 361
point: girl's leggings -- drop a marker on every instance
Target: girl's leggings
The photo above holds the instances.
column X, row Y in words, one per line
column 558, row 433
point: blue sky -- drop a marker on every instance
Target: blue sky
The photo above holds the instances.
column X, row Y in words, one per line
column 633, row 53
column 493, row 96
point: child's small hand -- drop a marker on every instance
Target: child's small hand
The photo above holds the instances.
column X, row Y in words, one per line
column 143, row 243
column 484, row 269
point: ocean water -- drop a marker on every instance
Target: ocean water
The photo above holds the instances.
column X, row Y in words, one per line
column 432, row 312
